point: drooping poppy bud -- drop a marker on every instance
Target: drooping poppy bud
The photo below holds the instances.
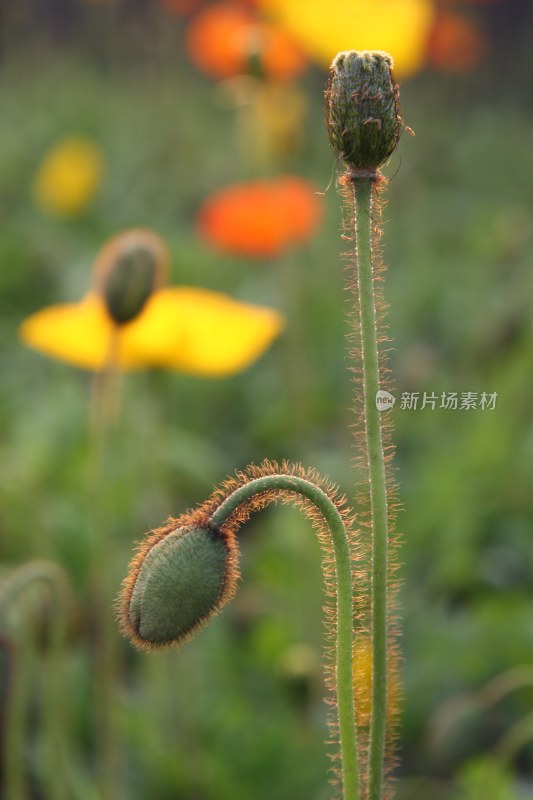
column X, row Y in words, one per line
column 128, row 270
column 362, row 109
column 180, row 583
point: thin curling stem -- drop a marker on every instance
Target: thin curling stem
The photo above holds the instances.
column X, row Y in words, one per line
column 362, row 187
column 341, row 547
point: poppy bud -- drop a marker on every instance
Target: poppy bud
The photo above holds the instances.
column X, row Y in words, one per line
column 183, row 580
column 362, row 110
column 128, row 271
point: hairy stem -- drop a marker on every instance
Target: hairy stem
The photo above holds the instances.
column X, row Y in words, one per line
column 362, row 187
column 341, row 547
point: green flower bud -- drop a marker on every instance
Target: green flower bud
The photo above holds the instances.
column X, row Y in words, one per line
column 362, row 110
column 183, row 581
column 128, row 271
column 129, row 284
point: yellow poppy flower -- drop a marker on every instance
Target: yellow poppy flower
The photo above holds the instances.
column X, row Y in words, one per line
column 401, row 27
column 69, row 177
column 184, row 328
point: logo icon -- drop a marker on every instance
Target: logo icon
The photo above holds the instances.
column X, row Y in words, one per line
column 384, row 400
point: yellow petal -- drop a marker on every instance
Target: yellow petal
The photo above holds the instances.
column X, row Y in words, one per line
column 183, row 328
column 69, row 177
column 400, row 27
column 201, row 332
column 78, row 333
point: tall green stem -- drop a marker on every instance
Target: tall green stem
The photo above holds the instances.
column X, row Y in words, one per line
column 362, row 187
column 344, row 649
column 364, row 127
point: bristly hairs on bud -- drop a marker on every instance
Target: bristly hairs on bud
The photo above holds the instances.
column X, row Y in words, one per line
column 362, row 109
column 364, row 126
column 182, row 576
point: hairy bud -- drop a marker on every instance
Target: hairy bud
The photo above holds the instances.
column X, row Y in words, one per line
column 128, row 270
column 362, row 109
column 179, row 584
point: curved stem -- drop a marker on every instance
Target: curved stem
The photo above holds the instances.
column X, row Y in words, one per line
column 362, row 187
column 515, row 739
column 54, row 707
column 46, row 572
column 341, row 548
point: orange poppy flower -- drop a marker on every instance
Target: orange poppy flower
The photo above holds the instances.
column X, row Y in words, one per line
column 183, row 328
column 456, row 43
column 225, row 39
column 261, row 219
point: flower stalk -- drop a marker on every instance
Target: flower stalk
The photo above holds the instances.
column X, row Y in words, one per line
column 204, row 542
column 293, row 484
column 129, row 268
column 364, row 126
column 362, row 189
column 186, row 571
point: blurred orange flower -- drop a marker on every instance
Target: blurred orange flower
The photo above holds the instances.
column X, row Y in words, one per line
column 323, row 28
column 225, row 39
column 456, row 43
column 261, row 219
column 69, row 176
column 183, row 328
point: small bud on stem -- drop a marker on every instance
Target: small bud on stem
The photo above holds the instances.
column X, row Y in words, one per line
column 128, row 270
column 362, row 111
column 186, row 571
column 183, row 581
column 364, row 126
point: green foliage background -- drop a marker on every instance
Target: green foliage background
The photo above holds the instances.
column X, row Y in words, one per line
column 238, row 712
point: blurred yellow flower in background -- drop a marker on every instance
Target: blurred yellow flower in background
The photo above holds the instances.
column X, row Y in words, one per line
column 362, row 669
column 182, row 328
column 69, row 177
column 401, row 27
column 270, row 118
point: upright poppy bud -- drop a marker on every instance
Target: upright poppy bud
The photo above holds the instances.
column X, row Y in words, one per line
column 128, row 270
column 362, row 109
